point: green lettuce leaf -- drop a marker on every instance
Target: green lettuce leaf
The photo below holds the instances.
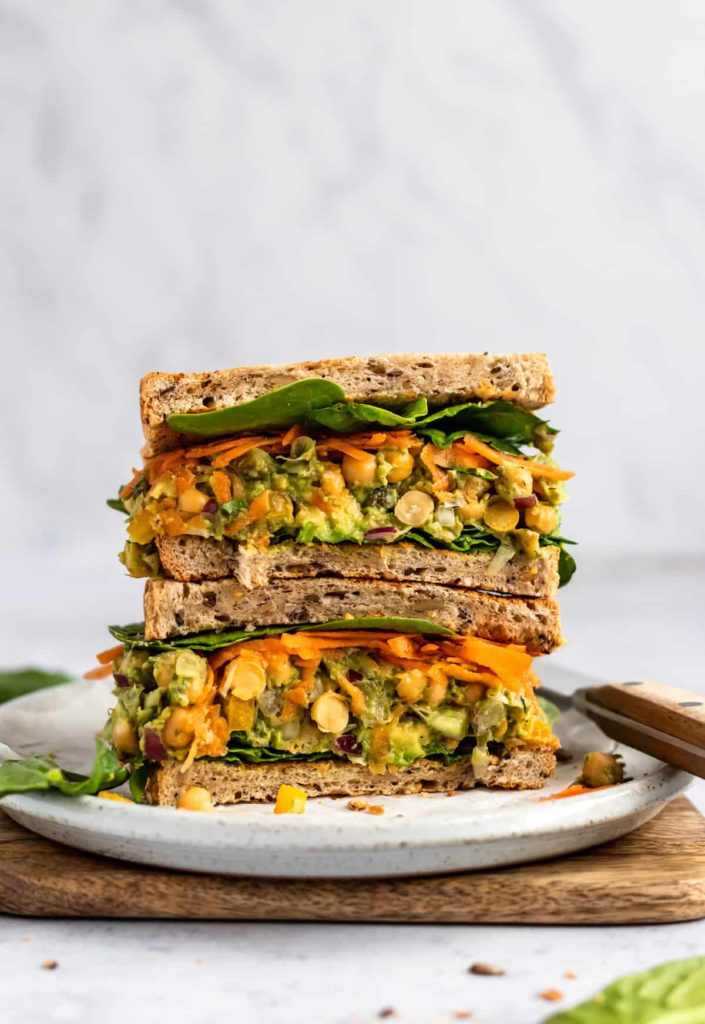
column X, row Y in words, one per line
column 279, row 408
column 672, row 993
column 16, row 682
column 133, row 634
column 32, row 774
column 118, row 504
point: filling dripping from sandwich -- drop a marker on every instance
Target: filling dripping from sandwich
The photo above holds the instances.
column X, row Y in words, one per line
column 377, row 699
column 460, row 491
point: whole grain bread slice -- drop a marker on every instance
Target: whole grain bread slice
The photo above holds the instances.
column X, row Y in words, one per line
column 256, row 783
column 204, row 558
column 172, row 608
column 390, row 380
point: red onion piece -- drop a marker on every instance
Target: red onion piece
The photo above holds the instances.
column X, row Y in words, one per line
column 382, row 533
column 122, row 680
column 348, row 744
column 527, row 502
column 210, row 507
column 354, row 676
column 153, row 747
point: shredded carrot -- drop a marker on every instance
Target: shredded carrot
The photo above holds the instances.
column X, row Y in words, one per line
column 244, row 446
column 575, row 790
column 298, row 695
column 362, row 443
column 292, row 433
column 537, row 469
column 402, row 646
column 428, row 457
column 222, row 488
column 319, row 501
column 98, row 673
column 338, row 444
column 129, row 487
column 357, row 697
column 259, row 506
column 109, row 656
column 507, row 660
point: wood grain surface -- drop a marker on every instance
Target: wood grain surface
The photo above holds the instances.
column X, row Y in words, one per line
column 676, row 713
column 656, row 874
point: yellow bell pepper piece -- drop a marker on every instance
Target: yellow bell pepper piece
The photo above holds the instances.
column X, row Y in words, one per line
column 290, row 800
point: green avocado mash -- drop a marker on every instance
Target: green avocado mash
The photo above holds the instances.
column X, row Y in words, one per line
column 316, row 493
column 267, row 704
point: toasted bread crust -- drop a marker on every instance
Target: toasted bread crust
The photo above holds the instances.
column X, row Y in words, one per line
column 172, row 608
column 391, row 380
column 231, row 784
column 204, row 558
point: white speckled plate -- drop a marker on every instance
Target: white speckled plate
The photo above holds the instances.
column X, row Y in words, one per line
column 416, row 835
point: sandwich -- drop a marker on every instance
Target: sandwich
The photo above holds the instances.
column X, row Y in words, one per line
column 431, row 470
column 359, row 706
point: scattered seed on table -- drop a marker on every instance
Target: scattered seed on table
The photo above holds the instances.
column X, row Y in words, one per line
column 50, row 965
column 486, row 969
column 551, row 995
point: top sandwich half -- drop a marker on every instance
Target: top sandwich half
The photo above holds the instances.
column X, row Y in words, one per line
column 417, row 468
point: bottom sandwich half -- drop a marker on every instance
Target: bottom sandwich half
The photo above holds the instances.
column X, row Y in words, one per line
column 358, row 707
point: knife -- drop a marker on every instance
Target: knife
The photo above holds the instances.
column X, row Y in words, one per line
column 663, row 721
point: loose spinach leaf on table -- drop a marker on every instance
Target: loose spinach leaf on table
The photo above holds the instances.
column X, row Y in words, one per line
column 31, row 774
column 16, row 682
column 672, row 993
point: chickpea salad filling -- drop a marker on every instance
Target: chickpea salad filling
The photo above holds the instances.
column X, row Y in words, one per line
column 371, row 697
column 463, row 491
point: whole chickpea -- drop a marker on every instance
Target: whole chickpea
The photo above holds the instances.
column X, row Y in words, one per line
column 402, row 463
column 360, row 472
column 195, row 798
column 178, row 731
column 542, row 518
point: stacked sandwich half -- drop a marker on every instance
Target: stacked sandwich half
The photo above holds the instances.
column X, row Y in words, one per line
column 351, row 566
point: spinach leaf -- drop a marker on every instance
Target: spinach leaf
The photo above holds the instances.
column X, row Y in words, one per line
column 566, row 562
column 118, row 504
column 139, row 773
column 321, row 403
column 472, row 539
column 672, row 993
column 498, row 419
column 279, row 408
column 16, row 682
column 232, row 506
column 133, row 634
column 348, row 417
column 549, row 709
column 37, row 773
column 242, row 752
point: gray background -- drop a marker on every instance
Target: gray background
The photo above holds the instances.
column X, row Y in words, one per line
column 195, row 185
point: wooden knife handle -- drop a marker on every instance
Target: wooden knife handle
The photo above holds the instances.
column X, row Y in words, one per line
column 663, row 721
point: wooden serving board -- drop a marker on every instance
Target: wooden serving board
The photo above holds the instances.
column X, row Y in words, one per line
column 656, row 874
